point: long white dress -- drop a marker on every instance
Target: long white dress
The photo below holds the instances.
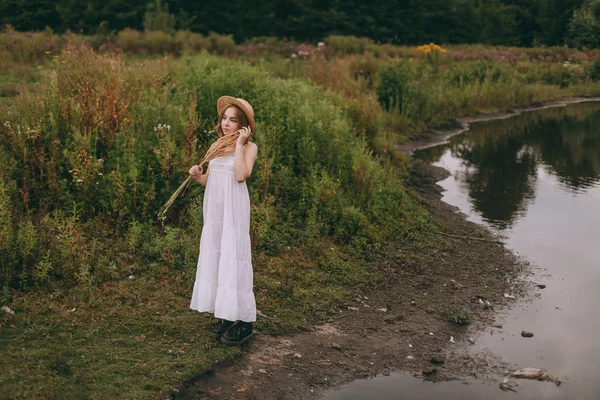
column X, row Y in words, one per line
column 224, row 276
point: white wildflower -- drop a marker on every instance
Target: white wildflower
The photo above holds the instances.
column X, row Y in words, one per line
column 7, row 310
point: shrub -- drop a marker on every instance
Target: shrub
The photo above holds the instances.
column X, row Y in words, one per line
column 392, row 86
column 191, row 43
column 130, row 41
column 584, row 28
column 351, row 222
column 159, row 42
column 348, row 44
column 566, row 77
column 28, row 47
column 157, row 18
column 7, row 261
column 562, row 76
column 595, row 69
column 221, row 44
column 365, row 117
column 472, row 73
column 460, row 318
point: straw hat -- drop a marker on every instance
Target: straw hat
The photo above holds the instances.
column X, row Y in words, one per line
column 225, row 101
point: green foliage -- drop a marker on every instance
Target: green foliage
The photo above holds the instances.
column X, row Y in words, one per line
column 477, row 72
column 7, row 261
column 564, row 76
column 595, row 69
column 128, row 134
column 553, row 19
column 584, row 26
column 221, row 44
column 157, row 17
column 348, row 44
column 498, row 22
column 392, row 86
column 460, row 318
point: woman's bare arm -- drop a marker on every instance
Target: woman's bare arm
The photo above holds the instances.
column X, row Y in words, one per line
column 244, row 161
column 196, row 173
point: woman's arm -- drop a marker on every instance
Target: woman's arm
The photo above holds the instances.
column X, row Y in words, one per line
column 196, row 173
column 244, row 161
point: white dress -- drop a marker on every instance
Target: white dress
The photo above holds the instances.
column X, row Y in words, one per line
column 224, row 276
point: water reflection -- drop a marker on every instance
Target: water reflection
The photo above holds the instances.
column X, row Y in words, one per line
column 500, row 159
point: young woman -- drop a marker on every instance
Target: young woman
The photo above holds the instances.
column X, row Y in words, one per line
column 224, row 276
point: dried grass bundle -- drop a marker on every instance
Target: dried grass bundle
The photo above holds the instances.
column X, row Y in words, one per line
column 224, row 146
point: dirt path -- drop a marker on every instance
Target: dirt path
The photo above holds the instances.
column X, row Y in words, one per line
column 446, row 278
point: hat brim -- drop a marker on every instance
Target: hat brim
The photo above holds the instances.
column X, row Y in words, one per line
column 226, row 101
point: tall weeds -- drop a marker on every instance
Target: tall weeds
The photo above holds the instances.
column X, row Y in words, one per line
column 96, row 148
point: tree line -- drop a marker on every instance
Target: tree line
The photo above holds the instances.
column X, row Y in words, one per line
column 495, row 22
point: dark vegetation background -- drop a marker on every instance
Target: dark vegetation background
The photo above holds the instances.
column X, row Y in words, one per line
column 496, row 22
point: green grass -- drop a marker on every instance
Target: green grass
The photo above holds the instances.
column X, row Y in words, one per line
column 136, row 338
column 131, row 338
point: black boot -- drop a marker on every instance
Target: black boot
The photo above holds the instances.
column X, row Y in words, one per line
column 218, row 330
column 238, row 333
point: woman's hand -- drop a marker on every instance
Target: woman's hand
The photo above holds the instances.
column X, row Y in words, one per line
column 244, row 135
column 196, row 172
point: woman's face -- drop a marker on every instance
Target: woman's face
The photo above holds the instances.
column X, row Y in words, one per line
column 229, row 122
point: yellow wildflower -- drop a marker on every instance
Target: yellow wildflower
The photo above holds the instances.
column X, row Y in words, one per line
column 430, row 48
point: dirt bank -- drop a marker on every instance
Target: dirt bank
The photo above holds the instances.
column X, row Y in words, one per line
column 429, row 287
